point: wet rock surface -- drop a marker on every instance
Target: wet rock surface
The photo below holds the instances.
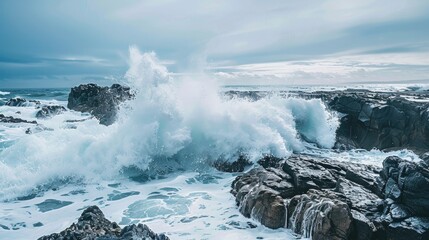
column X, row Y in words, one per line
column 22, row 102
column 237, row 166
column 101, row 102
column 320, row 215
column 92, row 225
column 383, row 122
column 326, row 199
column 407, row 184
column 49, row 111
column 9, row 119
column 44, row 111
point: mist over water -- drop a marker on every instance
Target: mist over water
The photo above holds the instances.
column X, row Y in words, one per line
column 188, row 120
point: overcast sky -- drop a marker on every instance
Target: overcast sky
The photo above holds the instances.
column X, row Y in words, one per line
column 58, row 43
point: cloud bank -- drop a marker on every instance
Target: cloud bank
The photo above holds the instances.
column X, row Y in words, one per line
column 58, row 43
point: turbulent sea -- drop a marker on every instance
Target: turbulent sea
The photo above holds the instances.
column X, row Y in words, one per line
column 153, row 165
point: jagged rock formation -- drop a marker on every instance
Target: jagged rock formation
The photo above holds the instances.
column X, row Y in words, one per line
column 49, row 111
column 21, row 102
column 326, row 199
column 101, row 102
column 237, row 166
column 385, row 122
column 44, row 112
column 8, row 119
column 92, row 225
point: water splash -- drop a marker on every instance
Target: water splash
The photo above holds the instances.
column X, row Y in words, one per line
column 184, row 119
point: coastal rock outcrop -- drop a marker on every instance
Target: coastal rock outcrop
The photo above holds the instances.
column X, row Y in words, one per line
column 22, row 102
column 93, row 225
column 327, row 199
column 237, row 166
column 9, row 119
column 407, row 184
column 320, row 215
column 370, row 119
column 101, row 102
column 382, row 121
column 49, row 111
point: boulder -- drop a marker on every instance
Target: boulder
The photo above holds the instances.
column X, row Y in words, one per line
column 22, row 102
column 320, row 215
column 102, row 102
column 236, row 166
column 406, row 183
column 49, row 111
column 140, row 231
column 93, row 225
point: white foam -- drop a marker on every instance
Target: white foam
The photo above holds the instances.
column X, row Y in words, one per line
column 210, row 211
column 180, row 117
column 373, row 157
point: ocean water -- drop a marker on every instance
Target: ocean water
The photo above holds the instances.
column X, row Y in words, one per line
column 154, row 164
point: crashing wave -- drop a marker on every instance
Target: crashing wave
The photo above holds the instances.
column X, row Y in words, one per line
column 188, row 120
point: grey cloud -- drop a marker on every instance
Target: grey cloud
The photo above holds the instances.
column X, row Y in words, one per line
column 91, row 38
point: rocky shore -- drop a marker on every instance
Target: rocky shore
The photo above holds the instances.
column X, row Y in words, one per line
column 9, row 119
column 382, row 120
column 370, row 119
column 92, row 225
column 325, row 199
column 314, row 197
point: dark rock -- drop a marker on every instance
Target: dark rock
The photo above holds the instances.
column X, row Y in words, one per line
column 406, row 183
column 21, row 102
column 363, row 175
column 237, row 166
column 363, row 228
column 276, row 180
column 384, row 122
column 49, row 111
column 399, row 212
column 270, row 161
column 359, row 198
column 260, row 196
column 78, row 120
column 7, row 119
column 101, row 102
column 249, row 95
column 266, row 207
column 327, row 199
column 93, row 225
column 320, row 215
column 37, row 128
column 391, row 190
column 411, row 228
column 425, row 158
column 306, row 174
column 140, row 231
